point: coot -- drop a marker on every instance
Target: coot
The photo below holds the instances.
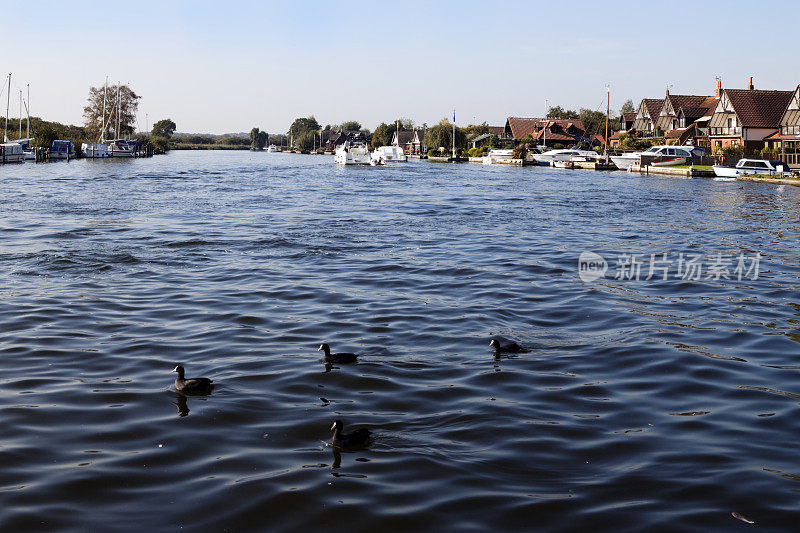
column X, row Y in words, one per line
column 190, row 385
column 336, row 357
column 503, row 345
column 359, row 437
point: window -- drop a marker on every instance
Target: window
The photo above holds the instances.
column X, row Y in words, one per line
column 670, row 151
column 730, row 122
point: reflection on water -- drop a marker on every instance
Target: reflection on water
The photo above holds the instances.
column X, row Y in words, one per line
column 666, row 405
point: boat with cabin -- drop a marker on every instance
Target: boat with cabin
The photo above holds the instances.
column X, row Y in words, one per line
column 575, row 153
column 497, row 155
column 272, row 148
column 11, row 153
column 353, row 153
column 124, row 148
column 658, row 156
column 61, row 149
column 390, row 154
column 751, row 167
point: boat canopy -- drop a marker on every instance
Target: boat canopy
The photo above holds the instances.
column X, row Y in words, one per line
column 60, row 145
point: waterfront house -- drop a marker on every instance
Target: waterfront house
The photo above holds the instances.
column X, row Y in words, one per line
column 548, row 131
column 414, row 144
column 626, row 121
column 646, row 116
column 745, row 118
column 332, row 139
column 685, row 118
column 403, row 139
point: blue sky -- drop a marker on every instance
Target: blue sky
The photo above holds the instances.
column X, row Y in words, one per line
column 224, row 67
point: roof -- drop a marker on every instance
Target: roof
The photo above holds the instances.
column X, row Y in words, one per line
column 405, row 137
column 759, row 108
column 481, row 137
column 520, row 127
column 677, row 101
column 496, row 130
column 653, row 106
column 629, row 117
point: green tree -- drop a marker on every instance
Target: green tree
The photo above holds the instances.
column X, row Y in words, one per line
column 441, row 135
column 258, row 139
column 164, row 128
column 559, row 112
column 627, row 107
column 383, row 135
column 124, row 110
column 303, row 125
column 263, row 138
column 473, row 130
column 351, row 125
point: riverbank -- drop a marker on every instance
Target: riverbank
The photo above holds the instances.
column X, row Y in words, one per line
column 775, row 181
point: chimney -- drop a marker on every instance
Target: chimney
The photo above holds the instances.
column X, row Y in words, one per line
column 719, row 88
column 751, row 87
column 667, row 91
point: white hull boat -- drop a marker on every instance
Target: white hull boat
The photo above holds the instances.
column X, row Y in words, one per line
column 752, row 167
column 567, row 154
column 658, row 156
column 123, row 148
column 11, row 153
column 497, row 155
column 390, row 154
column 95, row 150
column 353, row 154
column 272, row 148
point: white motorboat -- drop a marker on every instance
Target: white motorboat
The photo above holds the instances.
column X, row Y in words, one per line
column 61, row 149
column 389, row 154
column 567, row 154
column 95, row 150
column 355, row 153
column 752, row 166
column 11, row 153
column 658, row 156
column 497, row 155
column 272, row 148
column 564, row 164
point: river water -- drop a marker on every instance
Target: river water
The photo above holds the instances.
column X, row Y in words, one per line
column 643, row 404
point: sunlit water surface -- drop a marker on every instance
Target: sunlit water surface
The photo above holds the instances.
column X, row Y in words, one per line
column 642, row 405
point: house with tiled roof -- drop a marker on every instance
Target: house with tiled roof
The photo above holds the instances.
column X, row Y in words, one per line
column 496, row 130
column 547, row 131
column 790, row 122
column 626, row 121
column 646, row 116
column 747, row 117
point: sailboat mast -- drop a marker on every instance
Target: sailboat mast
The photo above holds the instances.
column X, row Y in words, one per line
column 28, row 110
column 20, row 114
column 8, row 103
column 454, row 133
column 103, row 129
column 608, row 110
column 119, row 110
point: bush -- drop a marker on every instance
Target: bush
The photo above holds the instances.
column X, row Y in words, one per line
column 558, row 146
column 431, row 153
column 485, row 150
column 520, row 152
column 475, row 152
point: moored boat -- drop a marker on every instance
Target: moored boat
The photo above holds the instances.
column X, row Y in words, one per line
column 752, row 166
column 567, row 154
column 61, row 149
column 95, row 150
column 11, row 153
column 124, row 148
column 564, row 164
column 497, row 155
column 658, row 156
column 272, row 148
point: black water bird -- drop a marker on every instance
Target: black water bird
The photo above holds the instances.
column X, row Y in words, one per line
column 336, row 357
column 503, row 345
column 190, row 385
column 357, row 438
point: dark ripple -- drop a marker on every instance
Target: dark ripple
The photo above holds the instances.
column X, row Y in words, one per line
column 642, row 405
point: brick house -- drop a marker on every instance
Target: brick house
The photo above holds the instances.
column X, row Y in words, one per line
column 646, row 116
